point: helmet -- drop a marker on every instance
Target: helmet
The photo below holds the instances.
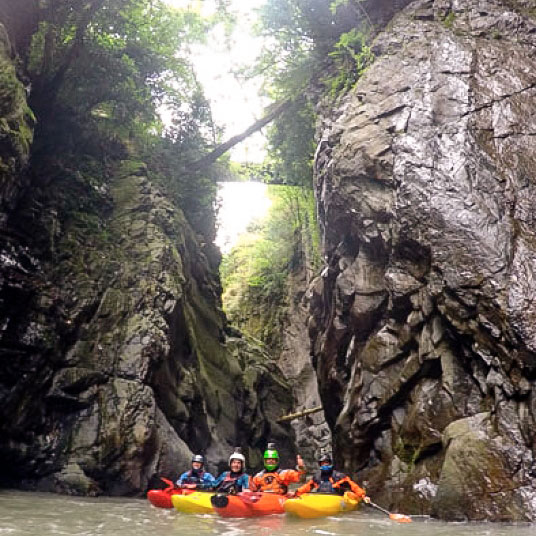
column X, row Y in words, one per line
column 198, row 458
column 271, row 454
column 325, row 458
column 237, row 455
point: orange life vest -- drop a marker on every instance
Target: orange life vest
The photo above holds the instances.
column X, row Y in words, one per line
column 270, row 482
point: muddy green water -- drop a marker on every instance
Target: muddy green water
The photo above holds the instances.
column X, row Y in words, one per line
column 39, row 514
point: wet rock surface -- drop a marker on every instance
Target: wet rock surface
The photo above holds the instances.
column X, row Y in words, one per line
column 422, row 323
column 116, row 365
column 312, row 432
column 16, row 127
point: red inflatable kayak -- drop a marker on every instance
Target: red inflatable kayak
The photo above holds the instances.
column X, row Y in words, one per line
column 246, row 504
column 162, row 497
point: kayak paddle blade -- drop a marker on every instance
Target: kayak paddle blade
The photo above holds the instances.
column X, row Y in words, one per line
column 401, row 518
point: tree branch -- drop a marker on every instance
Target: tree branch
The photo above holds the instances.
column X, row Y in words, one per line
column 221, row 149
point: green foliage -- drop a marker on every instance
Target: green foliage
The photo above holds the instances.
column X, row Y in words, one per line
column 129, row 61
column 449, row 19
column 351, row 57
column 251, row 171
column 292, row 147
column 256, row 272
column 102, row 72
column 316, row 48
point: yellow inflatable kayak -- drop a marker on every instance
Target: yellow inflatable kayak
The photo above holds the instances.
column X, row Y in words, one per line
column 312, row 505
column 197, row 502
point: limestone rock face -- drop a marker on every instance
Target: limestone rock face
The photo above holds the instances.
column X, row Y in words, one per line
column 422, row 323
column 116, row 365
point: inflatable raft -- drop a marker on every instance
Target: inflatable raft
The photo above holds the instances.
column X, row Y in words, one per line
column 311, row 505
column 197, row 502
column 246, row 504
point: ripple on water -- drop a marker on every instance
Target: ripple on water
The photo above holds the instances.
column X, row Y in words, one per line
column 38, row 514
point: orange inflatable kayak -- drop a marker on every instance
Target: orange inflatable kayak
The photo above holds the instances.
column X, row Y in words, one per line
column 248, row 504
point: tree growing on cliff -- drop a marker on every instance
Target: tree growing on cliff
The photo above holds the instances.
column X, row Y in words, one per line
column 317, row 48
column 116, row 59
column 102, row 73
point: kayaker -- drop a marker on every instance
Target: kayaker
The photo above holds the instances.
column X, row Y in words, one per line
column 196, row 477
column 275, row 480
column 236, row 479
column 327, row 480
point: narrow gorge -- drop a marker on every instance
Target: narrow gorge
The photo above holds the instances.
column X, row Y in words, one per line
column 413, row 328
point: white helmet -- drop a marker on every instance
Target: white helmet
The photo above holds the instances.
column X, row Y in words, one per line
column 236, row 455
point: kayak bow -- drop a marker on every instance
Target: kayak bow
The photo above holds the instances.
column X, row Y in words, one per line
column 311, row 505
column 197, row 502
column 161, row 498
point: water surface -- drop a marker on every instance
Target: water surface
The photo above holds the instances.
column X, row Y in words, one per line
column 41, row 514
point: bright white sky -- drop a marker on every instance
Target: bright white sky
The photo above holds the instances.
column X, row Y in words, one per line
column 240, row 202
column 235, row 104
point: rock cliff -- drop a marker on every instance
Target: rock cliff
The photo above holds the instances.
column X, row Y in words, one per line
column 422, row 322
column 312, row 432
column 115, row 362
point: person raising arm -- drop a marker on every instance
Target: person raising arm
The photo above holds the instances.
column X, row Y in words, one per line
column 273, row 479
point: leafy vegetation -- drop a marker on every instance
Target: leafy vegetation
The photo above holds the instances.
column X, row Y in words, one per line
column 316, row 49
column 351, row 57
column 255, row 274
column 102, row 72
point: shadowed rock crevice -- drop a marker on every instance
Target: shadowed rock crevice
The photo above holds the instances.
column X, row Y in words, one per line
column 115, row 363
column 425, row 168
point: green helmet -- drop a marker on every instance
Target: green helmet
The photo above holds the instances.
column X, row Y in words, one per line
column 271, row 454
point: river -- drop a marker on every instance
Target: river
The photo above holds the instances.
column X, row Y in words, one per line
column 42, row 514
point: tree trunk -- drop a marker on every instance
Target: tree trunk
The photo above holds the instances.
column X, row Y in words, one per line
column 86, row 17
column 211, row 157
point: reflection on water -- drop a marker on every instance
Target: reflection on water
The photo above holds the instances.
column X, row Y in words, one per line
column 39, row 514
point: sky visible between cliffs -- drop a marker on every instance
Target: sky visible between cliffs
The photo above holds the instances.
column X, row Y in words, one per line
column 235, row 104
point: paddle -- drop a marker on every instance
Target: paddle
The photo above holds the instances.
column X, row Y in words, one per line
column 400, row 518
column 170, row 484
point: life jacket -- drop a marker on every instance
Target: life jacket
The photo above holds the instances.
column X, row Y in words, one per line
column 325, row 484
column 194, row 478
column 229, row 483
column 271, row 482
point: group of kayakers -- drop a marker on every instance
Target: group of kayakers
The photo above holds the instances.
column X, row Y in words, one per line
column 271, row 479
